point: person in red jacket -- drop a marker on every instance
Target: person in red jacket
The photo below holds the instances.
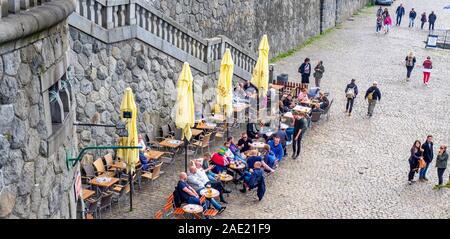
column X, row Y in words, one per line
column 220, row 161
column 427, row 66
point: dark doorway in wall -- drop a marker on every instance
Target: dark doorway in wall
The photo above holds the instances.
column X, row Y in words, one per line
column 322, row 6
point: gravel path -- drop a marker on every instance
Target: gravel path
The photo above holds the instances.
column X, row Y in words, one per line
column 354, row 167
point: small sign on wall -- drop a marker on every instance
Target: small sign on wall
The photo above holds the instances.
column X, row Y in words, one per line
column 432, row 41
column 77, row 185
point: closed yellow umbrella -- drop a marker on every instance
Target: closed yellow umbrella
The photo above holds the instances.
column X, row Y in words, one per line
column 128, row 114
column 260, row 77
column 185, row 114
column 225, row 84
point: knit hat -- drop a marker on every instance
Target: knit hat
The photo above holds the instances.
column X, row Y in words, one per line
column 222, row 150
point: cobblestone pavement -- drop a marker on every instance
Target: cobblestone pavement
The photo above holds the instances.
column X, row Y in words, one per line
column 354, row 167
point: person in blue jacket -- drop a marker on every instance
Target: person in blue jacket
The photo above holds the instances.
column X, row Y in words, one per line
column 400, row 13
column 255, row 179
column 276, row 147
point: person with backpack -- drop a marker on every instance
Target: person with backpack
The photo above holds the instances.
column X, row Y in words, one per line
column 410, row 62
column 423, row 19
column 416, row 155
column 318, row 73
column 427, row 67
column 305, row 71
column 441, row 163
column 400, row 13
column 379, row 12
column 412, row 17
column 373, row 95
column 431, row 20
column 351, row 91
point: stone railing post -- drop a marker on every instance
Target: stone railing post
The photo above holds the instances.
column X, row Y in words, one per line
column 109, row 17
column 14, row 6
column 132, row 13
column 24, row 4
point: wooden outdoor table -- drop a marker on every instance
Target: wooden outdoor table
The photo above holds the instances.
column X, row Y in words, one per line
column 119, row 165
column 193, row 209
column 217, row 117
column 196, row 132
column 86, row 193
column 303, row 109
column 240, row 107
column 278, row 87
column 237, row 167
column 225, row 178
column 206, row 126
column 214, row 193
column 153, row 154
column 171, row 143
column 108, row 184
column 257, row 145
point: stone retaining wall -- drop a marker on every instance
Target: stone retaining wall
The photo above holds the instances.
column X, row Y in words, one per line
column 287, row 22
column 103, row 71
column 36, row 182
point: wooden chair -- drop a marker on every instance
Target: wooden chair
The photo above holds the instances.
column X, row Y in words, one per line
column 152, row 176
column 89, row 173
column 120, row 193
column 100, row 168
column 153, row 141
column 178, row 213
column 172, row 127
column 109, row 161
column 92, row 207
column 158, row 214
column 204, row 143
column 315, row 116
column 169, row 206
column 210, row 213
column 106, row 201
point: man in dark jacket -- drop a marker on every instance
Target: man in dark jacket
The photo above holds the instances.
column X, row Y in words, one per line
column 412, row 17
column 400, row 12
column 351, row 91
column 255, row 179
column 431, row 20
column 305, row 71
column 373, row 95
column 427, row 156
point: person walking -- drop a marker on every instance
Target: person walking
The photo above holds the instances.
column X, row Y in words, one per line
column 351, row 91
column 318, row 73
column 423, row 19
column 400, row 13
column 385, row 13
column 410, row 62
column 416, row 155
column 427, row 156
column 427, row 67
column 373, row 95
column 441, row 163
column 379, row 12
column 305, row 71
column 387, row 23
column 300, row 125
column 379, row 23
column 412, row 17
column 431, row 20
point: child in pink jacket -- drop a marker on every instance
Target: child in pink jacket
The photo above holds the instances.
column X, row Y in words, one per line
column 387, row 23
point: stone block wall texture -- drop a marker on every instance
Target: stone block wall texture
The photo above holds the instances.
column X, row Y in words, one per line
column 36, row 182
column 288, row 23
column 103, row 71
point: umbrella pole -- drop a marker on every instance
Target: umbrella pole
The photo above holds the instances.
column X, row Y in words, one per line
column 130, row 179
column 185, row 154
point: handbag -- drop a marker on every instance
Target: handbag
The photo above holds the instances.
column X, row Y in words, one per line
column 422, row 163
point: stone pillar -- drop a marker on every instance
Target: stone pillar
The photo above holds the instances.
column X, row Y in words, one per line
column 132, row 13
column 109, row 17
column 14, row 6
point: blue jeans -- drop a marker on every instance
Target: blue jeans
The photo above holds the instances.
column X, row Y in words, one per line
column 213, row 202
column 423, row 171
column 194, row 200
column 289, row 132
column 211, row 176
column 411, row 22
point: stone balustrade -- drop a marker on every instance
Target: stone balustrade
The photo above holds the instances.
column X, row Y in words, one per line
column 123, row 16
column 16, row 6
